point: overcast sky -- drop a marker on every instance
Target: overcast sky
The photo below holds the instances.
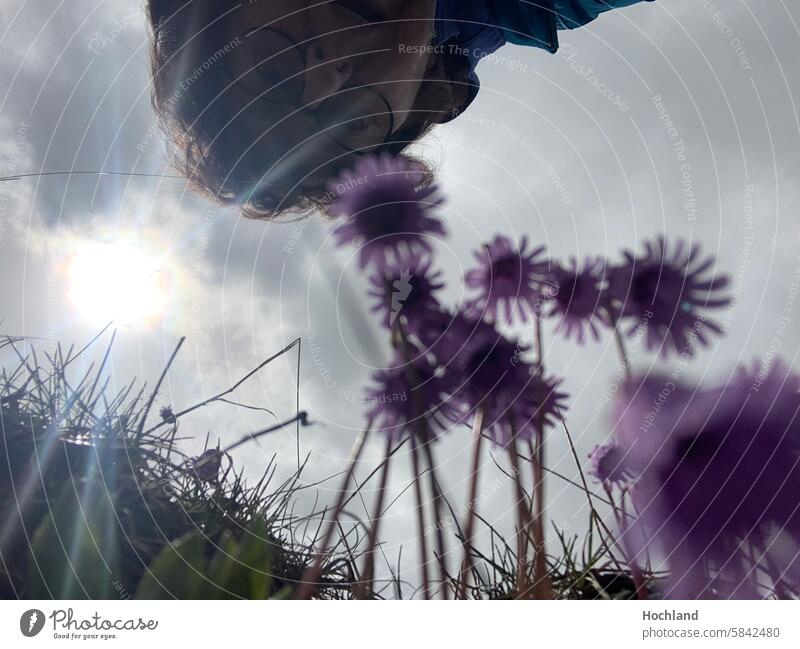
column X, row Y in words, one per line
column 570, row 149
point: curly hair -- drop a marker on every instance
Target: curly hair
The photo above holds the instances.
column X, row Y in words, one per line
column 201, row 123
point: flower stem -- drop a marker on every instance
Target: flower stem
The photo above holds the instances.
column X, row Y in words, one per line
column 423, row 541
column 621, row 349
column 542, row 588
column 636, row 574
column 539, row 346
column 541, row 583
column 594, row 518
column 466, row 565
column 309, row 582
column 423, row 437
column 365, row 589
column 523, row 522
column 437, row 511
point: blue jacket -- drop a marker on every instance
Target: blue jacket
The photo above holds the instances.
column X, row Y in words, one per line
column 477, row 28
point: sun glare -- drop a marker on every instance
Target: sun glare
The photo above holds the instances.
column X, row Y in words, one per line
column 116, row 281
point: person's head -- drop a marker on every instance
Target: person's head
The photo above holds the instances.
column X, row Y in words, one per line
column 265, row 101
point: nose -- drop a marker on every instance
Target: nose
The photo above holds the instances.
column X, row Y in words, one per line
column 327, row 70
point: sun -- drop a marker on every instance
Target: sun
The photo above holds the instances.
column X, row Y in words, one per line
column 117, row 281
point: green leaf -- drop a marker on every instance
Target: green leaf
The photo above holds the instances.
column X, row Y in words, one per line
column 235, row 570
column 74, row 551
column 242, row 569
column 177, row 571
column 220, row 568
column 285, row 593
column 256, row 557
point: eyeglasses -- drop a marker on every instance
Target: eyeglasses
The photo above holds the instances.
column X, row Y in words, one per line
column 356, row 118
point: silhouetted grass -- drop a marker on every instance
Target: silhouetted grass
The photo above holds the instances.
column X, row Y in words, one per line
column 97, row 497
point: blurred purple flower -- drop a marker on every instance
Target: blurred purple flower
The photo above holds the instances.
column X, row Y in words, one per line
column 443, row 334
column 494, row 377
column 406, row 287
column 168, row 415
column 206, row 466
column 386, row 206
column 578, row 295
column 410, row 398
column 665, row 291
column 508, row 279
column 513, row 414
column 609, row 464
column 717, row 469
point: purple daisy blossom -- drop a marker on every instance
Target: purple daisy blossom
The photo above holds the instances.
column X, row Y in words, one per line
column 579, row 297
column 406, row 287
column 717, row 470
column 494, row 377
column 665, row 291
column 444, row 334
column 515, row 414
column 410, row 398
column 508, row 279
column 609, row 464
column 386, row 206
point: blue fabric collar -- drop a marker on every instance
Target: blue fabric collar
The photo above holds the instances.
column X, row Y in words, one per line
column 478, row 28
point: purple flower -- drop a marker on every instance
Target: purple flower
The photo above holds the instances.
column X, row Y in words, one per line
column 494, row 377
column 508, row 279
column 514, row 413
column 410, row 398
column 206, row 466
column 717, row 470
column 610, row 464
column 406, row 287
column 168, row 415
column 579, row 297
column 444, row 335
column 665, row 291
column 386, row 207
column 511, row 414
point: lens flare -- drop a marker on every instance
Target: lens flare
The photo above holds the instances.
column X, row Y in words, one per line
column 117, row 281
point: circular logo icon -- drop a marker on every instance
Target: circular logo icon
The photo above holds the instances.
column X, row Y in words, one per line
column 31, row 622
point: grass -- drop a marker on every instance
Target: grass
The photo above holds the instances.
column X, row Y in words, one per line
column 94, row 496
